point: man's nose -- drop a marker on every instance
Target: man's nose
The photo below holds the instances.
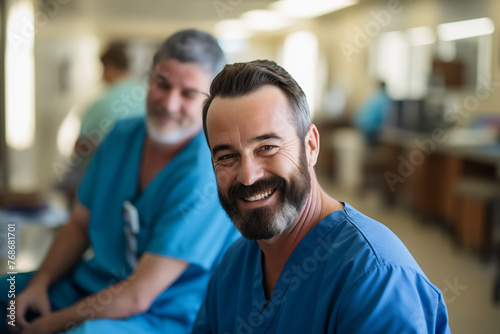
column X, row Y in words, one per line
column 172, row 101
column 249, row 171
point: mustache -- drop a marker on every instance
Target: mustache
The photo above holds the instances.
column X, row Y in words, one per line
column 163, row 112
column 240, row 191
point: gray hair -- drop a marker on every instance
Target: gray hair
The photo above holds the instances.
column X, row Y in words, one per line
column 192, row 46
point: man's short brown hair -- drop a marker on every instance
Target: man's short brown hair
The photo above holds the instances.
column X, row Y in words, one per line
column 241, row 79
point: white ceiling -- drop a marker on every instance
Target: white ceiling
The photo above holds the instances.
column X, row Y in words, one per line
column 169, row 10
column 151, row 17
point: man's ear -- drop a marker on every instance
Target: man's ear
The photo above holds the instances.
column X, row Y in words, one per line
column 312, row 145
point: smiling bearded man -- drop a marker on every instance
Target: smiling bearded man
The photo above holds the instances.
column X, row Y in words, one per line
column 309, row 263
column 267, row 222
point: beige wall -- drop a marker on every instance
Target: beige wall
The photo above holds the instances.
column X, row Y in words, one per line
column 344, row 26
column 492, row 105
column 352, row 74
column 68, row 37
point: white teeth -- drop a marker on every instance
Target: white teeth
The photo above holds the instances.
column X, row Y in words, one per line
column 259, row 196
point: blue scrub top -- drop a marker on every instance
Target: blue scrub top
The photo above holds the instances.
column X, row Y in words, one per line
column 179, row 215
column 121, row 100
column 350, row 274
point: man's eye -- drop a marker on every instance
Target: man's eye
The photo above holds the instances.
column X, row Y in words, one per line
column 162, row 84
column 225, row 157
column 267, row 149
column 190, row 95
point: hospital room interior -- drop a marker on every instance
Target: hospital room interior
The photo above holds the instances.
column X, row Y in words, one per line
column 405, row 94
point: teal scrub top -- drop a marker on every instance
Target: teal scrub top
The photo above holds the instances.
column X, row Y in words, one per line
column 349, row 275
column 124, row 99
column 179, row 216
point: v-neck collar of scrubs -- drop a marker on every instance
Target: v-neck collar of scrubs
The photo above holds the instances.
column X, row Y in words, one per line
column 300, row 254
column 141, row 196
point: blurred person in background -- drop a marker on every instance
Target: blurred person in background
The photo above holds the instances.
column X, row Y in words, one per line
column 369, row 120
column 147, row 207
column 373, row 113
column 124, row 97
column 307, row 263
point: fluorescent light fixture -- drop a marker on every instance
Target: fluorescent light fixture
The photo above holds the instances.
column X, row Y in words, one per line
column 310, row 8
column 19, row 76
column 392, row 63
column 232, row 35
column 232, row 45
column 265, row 20
column 465, row 29
column 421, row 36
column 232, row 29
column 300, row 58
column 283, row 13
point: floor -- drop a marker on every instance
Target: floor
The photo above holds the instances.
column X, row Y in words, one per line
column 467, row 282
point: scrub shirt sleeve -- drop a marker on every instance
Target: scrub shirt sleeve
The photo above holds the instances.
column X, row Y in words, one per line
column 90, row 180
column 91, row 118
column 97, row 169
column 192, row 226
column 392, row 299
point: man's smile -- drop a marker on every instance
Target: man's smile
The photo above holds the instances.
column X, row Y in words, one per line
column 259, row 196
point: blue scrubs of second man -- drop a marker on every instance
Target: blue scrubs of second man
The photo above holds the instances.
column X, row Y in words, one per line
column 147, row 208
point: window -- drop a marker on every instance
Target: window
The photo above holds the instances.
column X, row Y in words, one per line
column 300, row 59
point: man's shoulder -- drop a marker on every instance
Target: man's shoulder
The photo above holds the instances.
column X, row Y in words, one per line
column 195, row 158
column 129, row 124
column 359, row 250
column 366, row 240
column 122, row 138
column 126, row 128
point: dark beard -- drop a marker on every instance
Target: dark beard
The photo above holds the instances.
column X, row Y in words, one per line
column 266, row 222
